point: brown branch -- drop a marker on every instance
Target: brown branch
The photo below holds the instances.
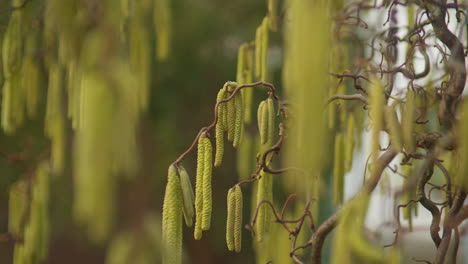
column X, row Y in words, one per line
column 359, row 97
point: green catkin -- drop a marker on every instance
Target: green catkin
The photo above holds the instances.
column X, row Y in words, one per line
column 349, row 147
column 207, row 173
column 377, row 103
column 172, row 220
column 199, row 187
column 239, row 121
column 231, row 118
column 264, row 49
column 407, row 122
column 394, row 127
column 231, row 204
column 270, row 109
column 188, row 197
column 338, row 170
column 219, row 134
column 238, row 218
column 272, row 14
column 260, row 122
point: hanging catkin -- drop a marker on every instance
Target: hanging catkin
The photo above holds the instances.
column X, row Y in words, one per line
column 238, row 218
column 377, row 103
column 270, row 109
column 207, row 172
column 262, row 119
column 172, row 220
column 239, row 122
column 231, row 204
column 231, row 115
column 394, row 127
column 188, row 197
column 407, row 121
column 199, row 187
column 219, row 134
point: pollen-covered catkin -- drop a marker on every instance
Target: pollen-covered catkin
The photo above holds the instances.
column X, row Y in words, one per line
column 199, row 187
column 262, row 118
column 231, row 203
column 270, row 109
column 377, row 103
column 207, row 199
column 394, row 127
column 188, row 197
column 238, row 218
column 219, row 134
column 231, row 118
column 172, row 220
column 239, row 122
column 408, row 122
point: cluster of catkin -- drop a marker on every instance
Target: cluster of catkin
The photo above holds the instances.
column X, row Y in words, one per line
column 29, row 219
column 230, row 119
column 234, row 219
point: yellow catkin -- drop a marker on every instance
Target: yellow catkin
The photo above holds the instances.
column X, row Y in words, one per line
column 188, row 197
column 220, row 129
column 263, row 120
column 264, row 49
column 272, row 15
column 172, row 220
column 239, row 121
column 231, row 204
column 12, row 49
column 270, row 109
column 199, row 187
column 231, row 118
column 394, row 127
column 349, row 147
column 407, row 123
column 338, row 170
column 377, row 103
column 207, row 173
column 238, row 219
